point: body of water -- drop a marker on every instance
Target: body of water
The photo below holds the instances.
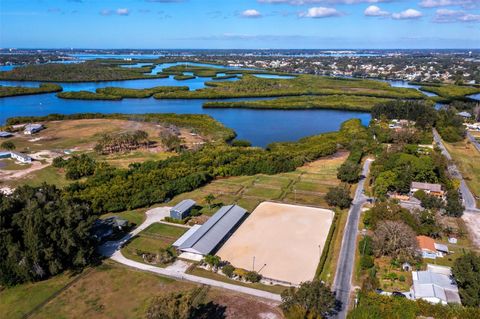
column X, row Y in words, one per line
column 261, row 127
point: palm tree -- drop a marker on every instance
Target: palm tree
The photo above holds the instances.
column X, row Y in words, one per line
column 209, row 199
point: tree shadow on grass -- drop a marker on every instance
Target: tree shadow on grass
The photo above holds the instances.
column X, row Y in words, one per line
column 210, row 311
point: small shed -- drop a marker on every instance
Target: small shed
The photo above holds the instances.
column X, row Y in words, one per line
column 464, row 114
column 406, row 266
column 182, row 209
column 452, row 240
column 22, row 158
column 4, row 134
column 33, row 128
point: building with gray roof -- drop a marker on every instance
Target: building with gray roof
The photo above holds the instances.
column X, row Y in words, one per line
column 182, row 209
column 435, row 285
column 5, row 134
column 32, row 128
column 215, row 230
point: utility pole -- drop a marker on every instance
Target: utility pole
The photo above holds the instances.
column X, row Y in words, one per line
column 253, row 265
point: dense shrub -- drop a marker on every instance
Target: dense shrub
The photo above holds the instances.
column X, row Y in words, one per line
column 338, row 196
column 228, row 270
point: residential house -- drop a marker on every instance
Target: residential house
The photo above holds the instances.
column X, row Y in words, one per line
column 22, row 158
column 104, row 228
column 435, row 285
column 430, row 249
column 430, row 189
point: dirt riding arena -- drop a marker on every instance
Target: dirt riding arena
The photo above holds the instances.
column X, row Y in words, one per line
column 285, row 241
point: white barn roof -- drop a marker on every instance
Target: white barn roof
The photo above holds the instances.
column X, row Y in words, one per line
column 210, row 234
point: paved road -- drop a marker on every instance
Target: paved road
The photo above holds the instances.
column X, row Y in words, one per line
column 468, row 198
column 473, row 140
column 111, row 249
column 343, row 276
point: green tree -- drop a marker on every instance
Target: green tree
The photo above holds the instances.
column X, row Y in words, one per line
column 228, row 270
column 241, row 143
column 338, row 196
column 466, row 271
column 8, row 145
column 454, row 205
column 311, row 300
column 253, row 276
column 42, row 234
column 177, row 305
column 212, row 260
column 209, row 199
column 349, row 172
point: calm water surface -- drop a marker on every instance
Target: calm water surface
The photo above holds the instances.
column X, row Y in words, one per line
column 261, row 127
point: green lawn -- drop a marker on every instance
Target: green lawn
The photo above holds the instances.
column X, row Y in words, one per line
column 163, row 230
column 277, row 289
column 49, row 175
column 136, row 216
column 151, row 240
column 12, row 165
column 264, row 192
column 20, row 299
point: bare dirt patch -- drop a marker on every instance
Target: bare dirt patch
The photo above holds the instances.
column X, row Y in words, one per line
column 244, row 307
column 285, row 240
column 472, row 221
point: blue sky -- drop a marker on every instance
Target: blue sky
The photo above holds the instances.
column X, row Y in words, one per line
column 262, row 24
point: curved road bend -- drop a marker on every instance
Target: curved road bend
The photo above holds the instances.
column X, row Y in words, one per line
column 468, row 198
column 343, row 276
column 111, row 249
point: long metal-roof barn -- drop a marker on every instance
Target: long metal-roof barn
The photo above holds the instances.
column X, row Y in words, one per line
column 214, row 231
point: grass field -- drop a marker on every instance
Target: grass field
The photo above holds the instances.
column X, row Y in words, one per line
column 151, row 240
column 114, row 291
column 79, row 135
column 49, row 175
column 19, row 300
column 467, row 159
column 307, row 185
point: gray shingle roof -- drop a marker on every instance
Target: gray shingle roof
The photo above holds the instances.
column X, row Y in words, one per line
column 217, row 227
column 184, row 205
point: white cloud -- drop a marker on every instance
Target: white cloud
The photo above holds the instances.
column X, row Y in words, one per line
column 374, row 11
column 449, row 16
column 251, row 13
column 445, row 3
column 303, row 2
column 123, row 12
column 320, row 12
column 407, row 14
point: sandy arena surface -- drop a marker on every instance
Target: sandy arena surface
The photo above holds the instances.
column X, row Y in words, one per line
column 284, row 237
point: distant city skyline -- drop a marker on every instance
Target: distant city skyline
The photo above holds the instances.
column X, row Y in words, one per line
column 240, row 24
